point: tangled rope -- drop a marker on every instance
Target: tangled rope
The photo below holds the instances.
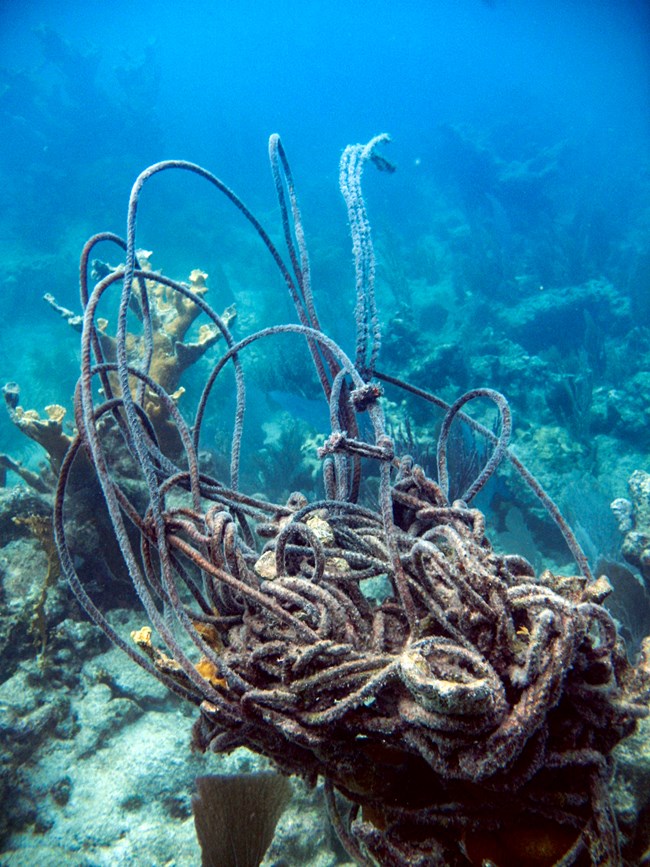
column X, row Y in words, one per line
column 474, row 698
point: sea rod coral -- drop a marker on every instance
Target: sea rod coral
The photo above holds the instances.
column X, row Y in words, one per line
column 469, row 717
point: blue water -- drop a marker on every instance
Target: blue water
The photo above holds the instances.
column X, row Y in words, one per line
column 521, row 138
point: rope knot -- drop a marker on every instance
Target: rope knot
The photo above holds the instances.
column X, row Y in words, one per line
column 365, row 396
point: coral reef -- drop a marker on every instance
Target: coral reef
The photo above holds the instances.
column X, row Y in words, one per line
column 633, row 518
column 163, row 348
column 48, row 433
column 172, row 316
column 468, row 717
column 170, row 355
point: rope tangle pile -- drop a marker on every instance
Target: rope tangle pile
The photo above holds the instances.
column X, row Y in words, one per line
column 476, row 698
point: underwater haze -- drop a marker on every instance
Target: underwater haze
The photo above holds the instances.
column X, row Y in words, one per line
column 467, row 90
column 512, row 246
